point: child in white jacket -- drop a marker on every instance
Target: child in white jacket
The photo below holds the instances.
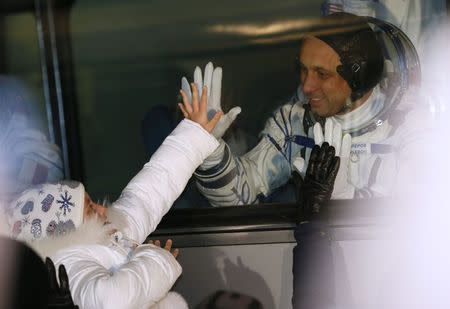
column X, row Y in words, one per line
column 101, row 248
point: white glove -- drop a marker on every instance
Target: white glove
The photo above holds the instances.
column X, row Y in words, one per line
column 212, row 79
column 342, row 144
column 299, row 165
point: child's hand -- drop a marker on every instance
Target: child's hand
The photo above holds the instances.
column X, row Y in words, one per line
column 197, row 112
column 168, row 246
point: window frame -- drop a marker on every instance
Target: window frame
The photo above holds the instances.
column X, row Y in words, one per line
column 269, row 223
column 212, row 226
column 58, row 81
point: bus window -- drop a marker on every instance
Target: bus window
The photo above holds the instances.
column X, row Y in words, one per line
column 21, row 59
column 129, row 61
column 128, row 76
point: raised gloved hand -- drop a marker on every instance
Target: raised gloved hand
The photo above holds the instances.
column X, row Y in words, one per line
column 59, row 296
column 315, row 190
column 343, row 189
column 212, row 79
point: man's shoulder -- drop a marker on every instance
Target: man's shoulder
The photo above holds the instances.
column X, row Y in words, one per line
column 290, row 108
column 286, row 119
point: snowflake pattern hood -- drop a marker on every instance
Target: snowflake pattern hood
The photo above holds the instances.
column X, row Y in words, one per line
column 48, row 210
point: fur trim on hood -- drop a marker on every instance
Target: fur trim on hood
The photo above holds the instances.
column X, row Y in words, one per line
column 90, row 232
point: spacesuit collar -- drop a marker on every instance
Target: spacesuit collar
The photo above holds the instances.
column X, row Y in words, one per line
column 363, row 114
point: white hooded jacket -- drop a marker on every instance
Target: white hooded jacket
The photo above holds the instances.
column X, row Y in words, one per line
column 106, row 264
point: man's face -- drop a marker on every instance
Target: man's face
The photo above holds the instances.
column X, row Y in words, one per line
column 326, row 90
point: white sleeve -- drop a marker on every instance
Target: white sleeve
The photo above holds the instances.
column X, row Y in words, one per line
column 144, row 278
column 151, row 193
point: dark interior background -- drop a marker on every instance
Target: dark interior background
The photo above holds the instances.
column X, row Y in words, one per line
column 129, row 57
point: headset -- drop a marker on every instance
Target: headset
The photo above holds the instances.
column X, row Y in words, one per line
column 374, row 52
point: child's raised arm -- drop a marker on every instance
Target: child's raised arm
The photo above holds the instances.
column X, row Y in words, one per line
column 196, row 111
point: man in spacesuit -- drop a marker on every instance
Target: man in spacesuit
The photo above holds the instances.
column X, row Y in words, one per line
column 345, row 101
column 357, row 82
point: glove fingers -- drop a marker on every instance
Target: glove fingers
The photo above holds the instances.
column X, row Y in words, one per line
column 312, row 164
column 298, row 164
column 208, row 77
column 52, row 274
column 329, row 131
column 186, row 88
column 198, row 80
column 298, row 180
column 63, row 280
column 318, row 134
column 337, row 137
column 321, row 161
column 346, row 146
column 216, row 88
column 232, row 114
column 326, row 163
column 334, row 169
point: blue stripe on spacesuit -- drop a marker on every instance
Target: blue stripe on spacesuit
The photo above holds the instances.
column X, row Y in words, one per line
column 284, row 123
column 290, row 121
column 218, row 168
column 381, row 148
column 302, row 140
column 309, row 143
column 278, row 147
column 221, row 182
column 287, row 147
column 374, row 172
column 283, row 129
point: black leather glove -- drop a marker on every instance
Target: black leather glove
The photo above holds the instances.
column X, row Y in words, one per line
column 59, row 293
column 315, row 190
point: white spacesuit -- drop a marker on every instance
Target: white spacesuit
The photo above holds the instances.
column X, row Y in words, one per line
column 376, row 143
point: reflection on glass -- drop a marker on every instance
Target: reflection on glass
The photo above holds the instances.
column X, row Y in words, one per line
column 128, row 77
column 27, row 155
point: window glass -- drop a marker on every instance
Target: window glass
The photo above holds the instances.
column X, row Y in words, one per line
column 129, row 58
column 28, row 153
column 21, row 61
